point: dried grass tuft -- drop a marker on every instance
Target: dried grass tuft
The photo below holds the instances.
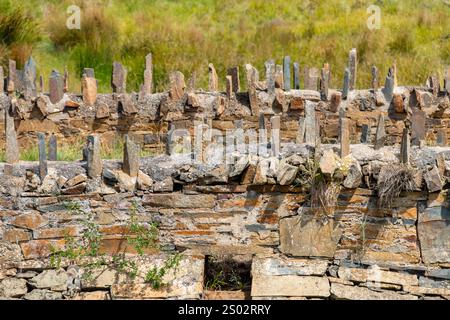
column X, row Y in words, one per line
column 392, row 180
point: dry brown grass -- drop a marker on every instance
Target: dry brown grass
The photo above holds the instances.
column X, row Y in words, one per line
column 392, row 180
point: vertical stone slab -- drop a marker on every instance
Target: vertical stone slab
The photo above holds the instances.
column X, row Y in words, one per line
column 433, row 83
column 418, row 126
column 270, row 76
column 344, row 137
column 11, row 76
column 119, row 78
column 11, row 144
column 380, row 136
column 447, row 80
column 311, row 78
column 130, row 163
column 41, row 84
column 374, row 78
column 365, row 134
column 147, row 88
column 336, row 98
column 213, row 83
column 324, row 82
column 66, row 80
column 29, row 79
column 252, row 79
column 229, row 87
column 89, row 89
column 310, row 123
column 93, row 157
column 346, row 85
column 262, row 150
column 279, row 76
column 275, row 142
column 287, row 73
column 405, row 147
column 296, row 76
column 42, row 156
column 388, row 89
column 234, row 73
column 352, row 66
column 52, row 148
column 2, row 80
column 198, row 140
column 441, row 137
column 56, row 86
column 89, row 72
column 300, row 138
column 177, row 85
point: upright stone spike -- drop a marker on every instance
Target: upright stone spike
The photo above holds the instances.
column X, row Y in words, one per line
column 312, row 76
column 301, row 131
column 433, row 83
column 89, row 89
column 310, row 123
column 52, row 148
column 11, row 143
column 287, row 73
column 130, row 163
column 352, row 66
column 447, row 80
column 394, row 72
column 380, row 137
column 177, row 85
column 279, row 76
column 262, row 150
column 296, row 76
column 374, row 79
column 324, row 82
column 252, row 79
column 41, row 84
column 56, row 85
column 229, row 87
column 275, row 122
column 234, row 73
column 405, row 148
column 93, row 157
column 29, row 79
column 213, row 82
column 88, row 72
column 11, row 76
column 147, row 88
column 441, row 137
column 346, row 85
column 2, row 80
column 42, row 156
column 388, row 89
column 119, row 78
column 344, row 137
column 365, row 134
column 270, row 76
column 66, row 80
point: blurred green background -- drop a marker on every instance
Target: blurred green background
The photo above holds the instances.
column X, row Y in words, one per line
column 185, row 35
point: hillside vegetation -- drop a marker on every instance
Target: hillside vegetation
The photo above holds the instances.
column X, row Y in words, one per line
column 186, row 35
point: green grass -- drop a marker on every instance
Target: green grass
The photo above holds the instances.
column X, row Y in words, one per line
column 186, row 35
column 73, row 152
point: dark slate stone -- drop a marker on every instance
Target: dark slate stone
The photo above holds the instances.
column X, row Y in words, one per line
column 346, row 85
column 296, row 76
column 52, row 148
column 365, row 133
column 42, row 156
column 287, row 73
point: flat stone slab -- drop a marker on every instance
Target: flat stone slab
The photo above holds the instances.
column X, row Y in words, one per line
column 434, row 234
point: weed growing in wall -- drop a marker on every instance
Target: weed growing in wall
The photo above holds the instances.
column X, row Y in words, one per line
column 85, row 250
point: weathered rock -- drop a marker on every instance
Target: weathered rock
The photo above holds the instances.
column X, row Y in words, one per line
column 352, row 66
column 289, row 286
column 433, row 230
column 40, row 294
column 377, row 275
column 177, row 85
column 239, row 166
column 286, row 173
column 13, row 288
column 328, row 162
column 94, row 161
column 299, row 237
column 80, row 178
column 354, row 176
column 119, row 78
column 56, row 85
column 11, row 143
column 213, row 79
column 279, row 265
column 92, row 295
column 144, row 182
column 102, row 111
column 130, row 157
column 165, row 185
column 234, row 73
column 10, row 254
column 29, row 220
column 340, row 291
column 433, row 180
column 50, row 279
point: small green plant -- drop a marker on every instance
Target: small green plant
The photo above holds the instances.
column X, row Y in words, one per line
column 155, row 275
column 225, row 273
column 88, row 246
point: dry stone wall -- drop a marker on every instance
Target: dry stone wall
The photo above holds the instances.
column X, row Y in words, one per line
column 327, row 194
